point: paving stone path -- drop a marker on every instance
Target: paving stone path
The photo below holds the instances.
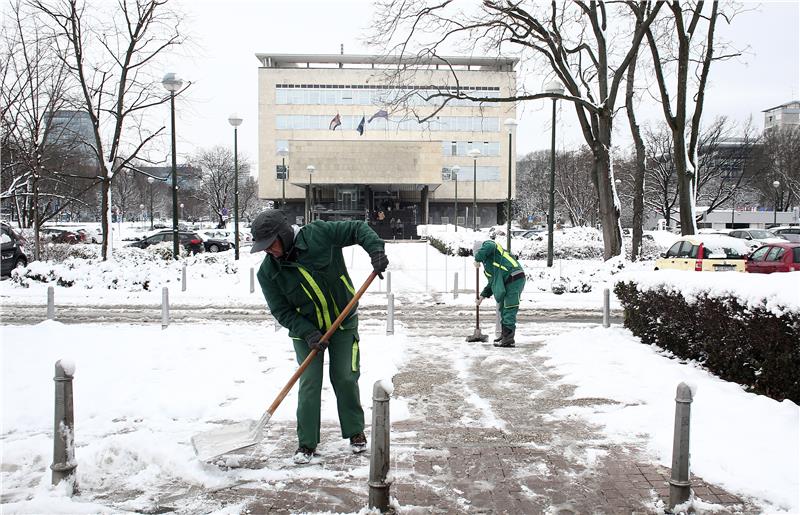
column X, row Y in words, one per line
column 483, row 436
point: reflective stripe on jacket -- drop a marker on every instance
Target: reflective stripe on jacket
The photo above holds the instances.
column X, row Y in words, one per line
column 498, row 267
column 307, row 294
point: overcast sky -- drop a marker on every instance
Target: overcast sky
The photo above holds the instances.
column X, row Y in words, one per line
column 226, row 35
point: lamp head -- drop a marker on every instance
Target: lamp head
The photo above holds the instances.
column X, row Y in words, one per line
column 171, row 82
column 283, row 151
column 310, row 169
column 474, row 153
column 511, row 123
column 554, row 87
column 776, row 184
column 235, row 120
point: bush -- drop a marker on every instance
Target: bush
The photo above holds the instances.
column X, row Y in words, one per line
column 448, row 248
column 750, row 345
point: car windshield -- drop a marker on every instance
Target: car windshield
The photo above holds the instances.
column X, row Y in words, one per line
column 761, row 234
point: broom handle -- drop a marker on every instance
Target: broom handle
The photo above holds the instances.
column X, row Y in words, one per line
column 325, row 337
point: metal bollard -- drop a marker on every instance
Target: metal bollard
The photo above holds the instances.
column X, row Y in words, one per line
column 679, row 484
column 606, row 304
column 455, row 285
column 498, row 325
column 64, row 463
column 252, row 280
column 164, row 307
column 51, row 303
column 390, row 314
column 183, row 278
column 379, row 451
column 388, row 282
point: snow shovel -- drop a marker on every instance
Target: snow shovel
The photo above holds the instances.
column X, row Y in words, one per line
column 216, row 442
column 477, row 336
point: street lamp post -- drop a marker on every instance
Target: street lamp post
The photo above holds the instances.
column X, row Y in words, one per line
column 235, row 120
column 474, row 154
column 776, row 185
column 150, row 187
column 172, row 83
column 310, row 169
column 510, row 123
column 283, row 152
column 553, row 88
column 454, row 170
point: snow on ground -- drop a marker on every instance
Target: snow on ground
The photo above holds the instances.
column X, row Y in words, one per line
column 747, row 443
column 141, row 392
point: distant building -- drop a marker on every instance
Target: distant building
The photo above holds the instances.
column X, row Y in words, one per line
column 372, row 160
column 784, row 115
column 190, row 178
column 72, row 133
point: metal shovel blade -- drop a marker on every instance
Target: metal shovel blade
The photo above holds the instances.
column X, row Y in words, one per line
column 478, row 337
column 216, row 442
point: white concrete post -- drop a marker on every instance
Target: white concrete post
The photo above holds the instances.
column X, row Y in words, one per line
column 426, row 265
column 252, row 280
column 390, row 314
column 164, row 307
column 606, row 307
column 51, row 303
column 455, row 285
column 183, row 278
column 388, row 282
column 445, row 273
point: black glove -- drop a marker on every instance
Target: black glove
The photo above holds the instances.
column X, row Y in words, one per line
column 313, row 341
column 379, row 262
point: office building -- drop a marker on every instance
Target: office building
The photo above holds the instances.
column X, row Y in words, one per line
column 351, row 120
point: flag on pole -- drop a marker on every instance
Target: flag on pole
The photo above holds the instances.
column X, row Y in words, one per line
column 380, row 114
column 360, row 127
column 335, row 122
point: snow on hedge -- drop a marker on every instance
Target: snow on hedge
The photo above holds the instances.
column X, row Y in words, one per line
column 779, row 292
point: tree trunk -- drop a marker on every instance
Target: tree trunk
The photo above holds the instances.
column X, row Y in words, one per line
column 105, row 222
column 608, row 207
column 639, row 164
column 685, row 185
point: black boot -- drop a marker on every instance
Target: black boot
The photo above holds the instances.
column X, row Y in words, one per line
column 506, row 338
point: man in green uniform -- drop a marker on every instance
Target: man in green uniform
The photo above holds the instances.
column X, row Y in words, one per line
column 506, row 282
column 306, row 285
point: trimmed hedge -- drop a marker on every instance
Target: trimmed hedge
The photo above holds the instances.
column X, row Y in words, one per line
column 749, row 345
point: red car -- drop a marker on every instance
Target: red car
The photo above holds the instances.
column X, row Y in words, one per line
column 774, row 257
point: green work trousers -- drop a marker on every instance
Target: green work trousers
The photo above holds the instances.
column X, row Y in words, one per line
column 344, row 371
column 510, row 304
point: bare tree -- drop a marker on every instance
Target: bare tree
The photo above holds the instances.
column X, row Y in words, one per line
column 660, row 191
column 782, row 163
column 533, row 171
column 218, row 180
column 112, row 62
column 573, row 40
column 574, row 186
column 683, row 44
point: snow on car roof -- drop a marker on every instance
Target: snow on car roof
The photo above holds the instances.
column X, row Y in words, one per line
column 720, row 242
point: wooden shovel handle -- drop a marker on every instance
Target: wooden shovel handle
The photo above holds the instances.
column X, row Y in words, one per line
column 334, row 326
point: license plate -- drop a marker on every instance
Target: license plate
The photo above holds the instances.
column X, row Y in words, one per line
column 724, row 268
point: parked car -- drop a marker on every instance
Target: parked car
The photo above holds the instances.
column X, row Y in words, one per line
column 775, row 257
column 705, row 252
column 191, row 241
column 213, row 244
column 787, row 233
column 756, row 237
column 13, row 255
column 55, row 235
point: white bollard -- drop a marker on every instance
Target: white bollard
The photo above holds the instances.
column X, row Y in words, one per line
column 388, row 282
column 390, row 314
column 64, row 463
column 606, row 315
column 252, row 280
column 183, row 278
column 445, row 273
column 455, row 285
column 51, row 303
column 426, row 265
column 164, row 307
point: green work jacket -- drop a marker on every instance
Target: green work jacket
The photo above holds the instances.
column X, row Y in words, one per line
column 308, row 293
column 498, row 267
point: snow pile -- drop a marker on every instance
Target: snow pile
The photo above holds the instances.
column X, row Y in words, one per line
column 778, row 293
column 132, row 269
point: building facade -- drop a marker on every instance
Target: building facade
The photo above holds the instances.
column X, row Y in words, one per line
column 784, row 115
column 349, row 135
